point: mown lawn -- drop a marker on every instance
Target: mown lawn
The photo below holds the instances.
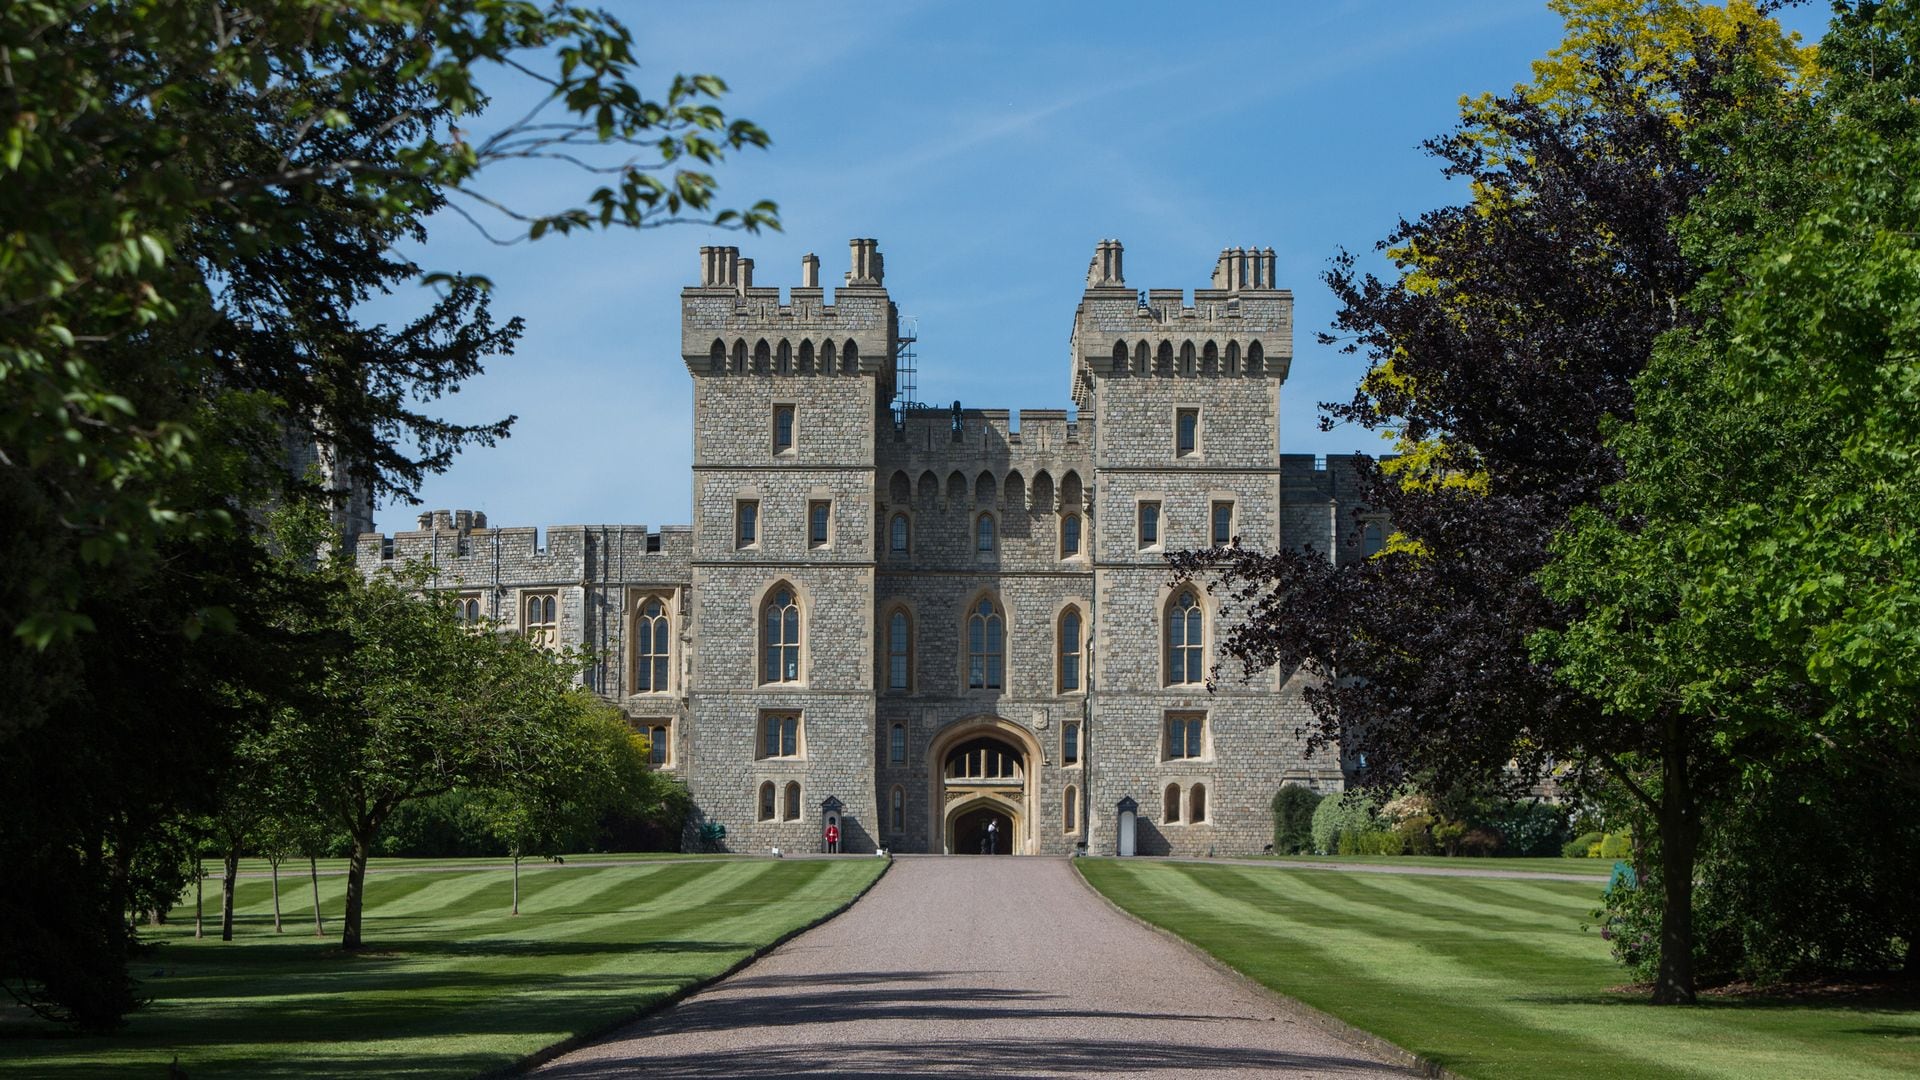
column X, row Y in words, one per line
column 1492, row 977
column 1553, row 864
column 449, row 984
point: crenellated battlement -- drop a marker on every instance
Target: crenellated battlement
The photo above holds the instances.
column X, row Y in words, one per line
column 730, row 326
column 461, row 550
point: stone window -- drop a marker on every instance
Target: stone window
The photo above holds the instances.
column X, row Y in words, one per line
column 1070, row 810
column 782, row 429
column 1186, row 734
column 540, row 619
column 897, row 809
column 986, row 646
column 1186, row 639
column 1222, row 523
column 746, row 523
column 899, row 650
column 779, row 735
column 1070, row 743
column 792, row 802
column 1197, row 804
column 899, row 533
column 466, row 608
column 1371, row 540
column 1170, row 805
column 897, row 745
column 768, row 797
column 1069, row 535
column 780, row 637
column 652, row 647
column 983, row 533
column 1149, row 523
column 1068, row 667
column 819, row 523
column 659, row 733
column 1186, row 432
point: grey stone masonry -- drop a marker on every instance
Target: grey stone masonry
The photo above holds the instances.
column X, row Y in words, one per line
column 941, row 616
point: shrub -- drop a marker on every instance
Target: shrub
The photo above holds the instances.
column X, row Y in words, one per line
column 1615, row 846
column 1480, row 841
column 1372, row 842
column 1351, row 812
column 1293, row 810
column 1582, row 846
column 1528, row 827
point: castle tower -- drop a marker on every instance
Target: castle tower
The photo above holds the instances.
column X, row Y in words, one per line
column 788, row 397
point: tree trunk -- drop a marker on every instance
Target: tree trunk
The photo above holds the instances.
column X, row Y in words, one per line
column 313, row 872
column 516, row 881
column 199, row 898
column 230, row 873
column 1679, row 844
column 274, row 865
column 356, row 892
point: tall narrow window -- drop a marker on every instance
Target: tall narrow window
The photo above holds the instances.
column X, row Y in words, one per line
column 782, row 428
column 1070, row 743
column 1222, row 523
column 1186, row 427
column 1069, row 535
column 1149, row 524
column 1070, row 807
column 1185, row 736
column 986, row 647
column 767, row 797
column 780, row 638
column 899, row 650
column 793, row 801
column 651, row 646
column 1170, row 805
column 898, row 537
column 1069, row 666
column 1371, row 540
column 983, row 533
column 659, row 735
column 779, row 734
column 898, row 812
column 1185, row 639
column 746, row 523
column 897, row 745
column 1197, row 803
column 819, row 522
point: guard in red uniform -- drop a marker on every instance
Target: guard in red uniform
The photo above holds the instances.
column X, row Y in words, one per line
column 833, row 839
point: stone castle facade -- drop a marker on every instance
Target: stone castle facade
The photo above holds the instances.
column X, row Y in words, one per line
column 937, row 618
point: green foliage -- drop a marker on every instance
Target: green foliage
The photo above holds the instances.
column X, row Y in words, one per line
column 1293, row 810
column 1582, row 846
column 1613, row 846
column 1370, row 842
column 1353, row 812
column 1528, row 827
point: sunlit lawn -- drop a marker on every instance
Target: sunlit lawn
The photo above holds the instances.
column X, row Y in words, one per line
column 1553, row 864
column 1493, row 977
column 450, row 984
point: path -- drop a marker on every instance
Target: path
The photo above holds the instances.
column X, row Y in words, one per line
column 979, row 967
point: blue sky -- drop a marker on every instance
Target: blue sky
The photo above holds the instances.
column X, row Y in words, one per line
column 988, row 147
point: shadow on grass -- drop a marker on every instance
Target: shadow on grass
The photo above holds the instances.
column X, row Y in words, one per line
column 1892, row 1004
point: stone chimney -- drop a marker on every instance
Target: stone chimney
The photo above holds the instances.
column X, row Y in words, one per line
column 867, row 266
column 1105, row 269
column 809, row 271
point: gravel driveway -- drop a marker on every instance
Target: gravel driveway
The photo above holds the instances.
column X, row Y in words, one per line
column 1007, row 967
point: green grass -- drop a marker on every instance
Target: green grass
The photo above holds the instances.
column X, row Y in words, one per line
column 1492, row 977
column 1552, row 864
column 449, row 984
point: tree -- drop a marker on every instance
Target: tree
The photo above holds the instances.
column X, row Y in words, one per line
column 1513, row 329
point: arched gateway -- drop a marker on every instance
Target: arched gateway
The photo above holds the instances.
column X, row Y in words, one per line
column 983, row 771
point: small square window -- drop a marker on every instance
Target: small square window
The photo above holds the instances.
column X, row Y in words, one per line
column 1186, row 432
column 782, row 428
column 819, row 523
column 1222, row 524
column 1149, row 524
column 780, row 735
column 746, row 520
column 1185, row 736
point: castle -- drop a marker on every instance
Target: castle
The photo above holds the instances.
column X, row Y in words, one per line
column 926, row 621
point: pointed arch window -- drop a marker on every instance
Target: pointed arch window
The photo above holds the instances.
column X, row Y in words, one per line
column 898, row 809
column 1170, row 805
column 652, row 646
column 983, row 533
column 899, row 650
column 780, row 637
column 1185, row 639
column 1069, row 655
column 542, row 619
column 1069, row 535
column 767, row 801
column 1070, row 804
column 792, row 801
column 899, row 534
column 986, row 646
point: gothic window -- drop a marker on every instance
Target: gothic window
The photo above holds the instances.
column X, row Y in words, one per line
column 819, row 523
column 1222, row 523
column 746, row 523
column 780, row 637
column 1197, row 803
column 540, row 621
column 850, row 358
column 1186, row 432
column 1185, row 639
column 1069, row 665
column 897, row 745
column 1070, row 743
column 767, row 796
column 659, row 733
column 779, row 734
column 467, row 609
column 1371, row 540
column 898, row 534
column 986, row 646
column 1149, row 523
column 899, row 651
column 1185, row 736
column 983, row 533
column 1170, row 805
column 792, row 801
column 1070, row 806
column 651, row 646
column 782, row 428
column 1256, row 357
column 897, row 812
column 1069, row 535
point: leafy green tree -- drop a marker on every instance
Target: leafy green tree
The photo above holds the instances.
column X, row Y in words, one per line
column 1293, row 807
